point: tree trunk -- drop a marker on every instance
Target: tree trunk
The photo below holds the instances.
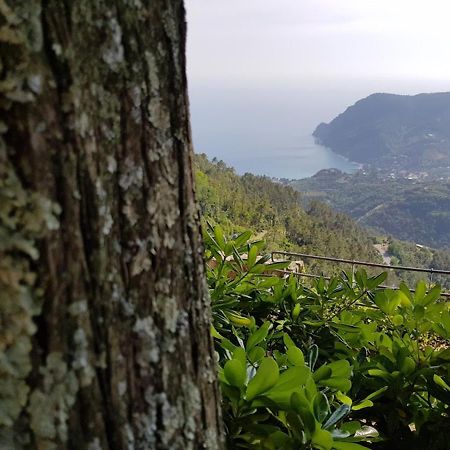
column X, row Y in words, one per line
column 104, row 313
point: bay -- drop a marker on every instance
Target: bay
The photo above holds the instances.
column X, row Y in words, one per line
column 301, row 161
column 264, row 131
column 266, row 128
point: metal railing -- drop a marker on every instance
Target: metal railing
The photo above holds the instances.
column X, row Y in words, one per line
column 354, row 263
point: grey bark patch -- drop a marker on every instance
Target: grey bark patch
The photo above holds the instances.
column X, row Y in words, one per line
column 105, row 297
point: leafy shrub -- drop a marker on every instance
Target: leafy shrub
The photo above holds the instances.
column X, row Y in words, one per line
column 338, row 364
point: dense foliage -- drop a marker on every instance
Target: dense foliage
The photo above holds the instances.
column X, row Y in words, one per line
column 338, row 364
column 273, row 212
column 409, row 254
column 407, row 209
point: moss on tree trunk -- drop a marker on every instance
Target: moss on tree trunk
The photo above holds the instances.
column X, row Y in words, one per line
column 104, row 311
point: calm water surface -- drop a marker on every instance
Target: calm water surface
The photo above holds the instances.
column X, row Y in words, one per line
column 263, row 131
column 301, row 161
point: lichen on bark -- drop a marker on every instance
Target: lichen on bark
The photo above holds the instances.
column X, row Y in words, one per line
column 105, row 314
column 25, row 218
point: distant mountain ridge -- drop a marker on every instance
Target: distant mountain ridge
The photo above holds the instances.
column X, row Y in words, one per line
column 393, row 131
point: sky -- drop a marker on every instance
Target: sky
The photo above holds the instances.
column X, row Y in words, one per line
column 284, row 40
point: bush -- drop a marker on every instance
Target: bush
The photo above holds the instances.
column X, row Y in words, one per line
column 339, row 364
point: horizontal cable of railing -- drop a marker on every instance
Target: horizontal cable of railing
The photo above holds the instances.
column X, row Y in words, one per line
column 362, row 263
column 310, row 275
column 357, row 263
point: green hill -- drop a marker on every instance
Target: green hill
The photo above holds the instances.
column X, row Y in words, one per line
column 387, row 130
column 406, row 209
column 289, row 220
column 273, row 212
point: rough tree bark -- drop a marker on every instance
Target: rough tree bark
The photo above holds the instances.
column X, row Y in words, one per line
column 104, row 338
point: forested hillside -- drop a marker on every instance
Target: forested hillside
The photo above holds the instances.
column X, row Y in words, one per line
column 407, row 209
column 272, row 211
column 408, row 254
column 386, row 130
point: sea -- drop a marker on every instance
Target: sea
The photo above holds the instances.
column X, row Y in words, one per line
column 266, row 129
column 303, row 158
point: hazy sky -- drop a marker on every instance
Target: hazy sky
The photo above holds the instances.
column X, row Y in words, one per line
column 285, row 40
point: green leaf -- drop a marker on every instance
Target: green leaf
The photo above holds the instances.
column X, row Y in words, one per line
column 279, row 439
column 337, row 415
column 380, row 374
column 397, row 320
column 405, row 300
column 322, row 372
column 292, row 378
column 310, row 389
column 407, row 296
column 387, row 301
column 296, row 311
column 259, row 335
column 362, row 404
column 215, row 333
column 238, row 320
column 342, row 384
column 420, row 291
column 419, row 311
column 295, row 356
column 322, row 439
column 307, row 417
column 230, row 392
column 288, row 342
column 252, row 254
column 218, row 234
column 229, row 249
column 432, row 296
column 344, row 398
column 377, row 393
column 440, row 382
column 340, row 368
column 361, row 278
column 265, row 378
column 227, row 345
column 374, row 282
column 256, row 354
column 408, row 366
column 239, row 353
column 242, row 238
column 290, row 381
column 276, row 266
column 280, row 358
column 321, row 407
column 235, row 373
column 444, row 354
column 345, row 327
column 299, row 401
column 351, row 427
